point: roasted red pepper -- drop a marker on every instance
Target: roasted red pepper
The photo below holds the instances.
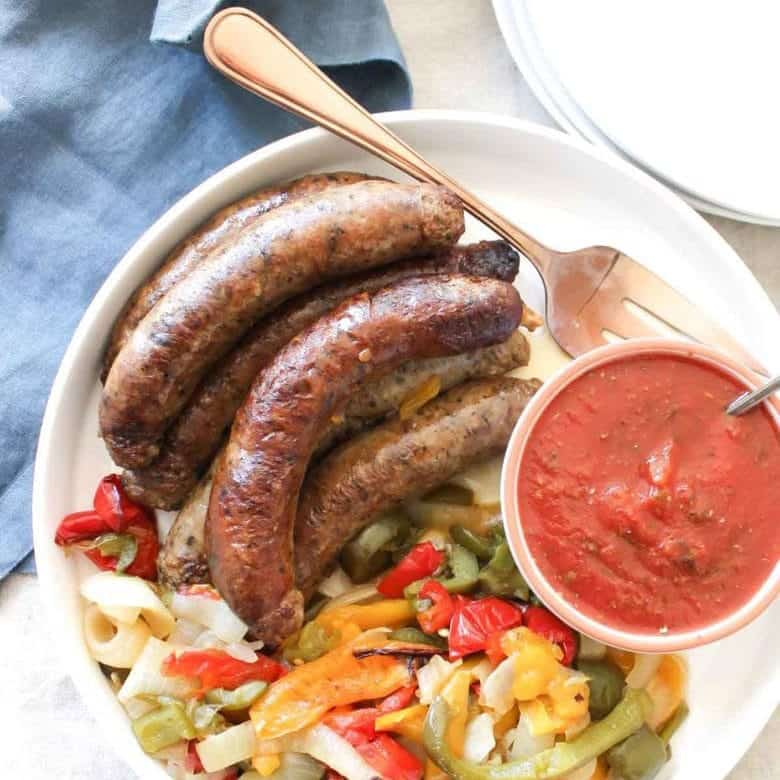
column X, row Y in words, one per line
column 439, row 614
column 398, row 700
column 357, row 725
column 544, row 623
column 420, row 562
column 392, row 761
column 80, row 526
column 192, row 762
column 217, row 669
column 116, row 508
column 114, row 513
column 473, row 621
column 493, row 648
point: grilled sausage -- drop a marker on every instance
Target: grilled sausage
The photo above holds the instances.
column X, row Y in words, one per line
column 183, row 556
column 182, row 559
column 286, row 251
column 249, row 530
column 222, row 227
column 190, row 443
column 377, row 398
column 397, row 460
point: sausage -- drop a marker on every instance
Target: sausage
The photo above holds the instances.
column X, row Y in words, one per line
column 190, row 443
column 221, row 227
column 397, row 460
column 286, row 251
column 249, row 529
column 183, row 556
column 379, row 397
column 182, row 559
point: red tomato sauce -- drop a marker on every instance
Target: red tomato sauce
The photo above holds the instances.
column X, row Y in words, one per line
column 643, row 503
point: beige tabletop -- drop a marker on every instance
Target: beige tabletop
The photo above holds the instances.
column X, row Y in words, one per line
column 457, row 60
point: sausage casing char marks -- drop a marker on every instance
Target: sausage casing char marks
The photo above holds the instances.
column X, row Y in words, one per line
column 249, row 531
column 221, row 227
column 190, row 443
column 397, row 460
column 285, row 252
column 183, row 557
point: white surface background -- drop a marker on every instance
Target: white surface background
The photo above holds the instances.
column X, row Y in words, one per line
column 457, row 60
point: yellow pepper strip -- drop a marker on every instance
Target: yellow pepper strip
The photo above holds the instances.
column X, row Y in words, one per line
column 535, row 660
column 666, row 689
column 569, row 694
column 507, row 721
column 266, row 765
column 390, row 613
column 456, row 694
column 408, row 722
column 303, row 696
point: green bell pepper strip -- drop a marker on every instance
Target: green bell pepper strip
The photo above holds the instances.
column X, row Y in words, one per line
column 241, row 698
column 640, row 757
column 465, row 572
column 163, row 727
column 605, row 683
column 313, row 641
column 416, row 637
column 479, row 545
column 564, row 757
column 123, row 547
column 501, row 577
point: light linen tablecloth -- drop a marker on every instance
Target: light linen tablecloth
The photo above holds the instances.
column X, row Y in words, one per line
column 458, row 60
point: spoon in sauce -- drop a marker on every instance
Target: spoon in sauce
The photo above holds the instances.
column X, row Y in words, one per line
column 751, row 398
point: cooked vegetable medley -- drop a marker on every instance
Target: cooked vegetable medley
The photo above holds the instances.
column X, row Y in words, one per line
column 424, row 656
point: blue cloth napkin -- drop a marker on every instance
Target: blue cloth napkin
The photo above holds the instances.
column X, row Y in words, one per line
column 103, row 125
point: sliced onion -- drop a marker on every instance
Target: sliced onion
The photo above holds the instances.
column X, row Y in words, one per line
column 526, row 744
column 325, row 745
column 185, row 632
column 496, row 692
column 146, row 677
column 241, row 652
column 335, row 584
column 432, row 677
column 575, row 728
column 220, row 751
column 645, row 666
column 210, row 613
column 354, row 596
column 478, row 739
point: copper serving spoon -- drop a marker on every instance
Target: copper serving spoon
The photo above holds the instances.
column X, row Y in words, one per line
column 590, row 292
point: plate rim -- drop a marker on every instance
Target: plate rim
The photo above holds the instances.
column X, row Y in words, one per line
column 81, row 670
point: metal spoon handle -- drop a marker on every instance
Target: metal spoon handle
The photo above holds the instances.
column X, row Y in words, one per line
column 248, row 50
column 752, row 398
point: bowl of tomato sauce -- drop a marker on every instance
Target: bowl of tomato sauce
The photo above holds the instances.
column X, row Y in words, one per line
column 636, row 508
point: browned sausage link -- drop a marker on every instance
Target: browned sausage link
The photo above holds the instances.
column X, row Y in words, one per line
column 221, row 227
column 398, row 460
column 286, row 251
column 378, row 397
column 190, row 443
column 183, row 557
column 252, row 508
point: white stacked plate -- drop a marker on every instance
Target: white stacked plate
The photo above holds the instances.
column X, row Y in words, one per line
column 687, row 91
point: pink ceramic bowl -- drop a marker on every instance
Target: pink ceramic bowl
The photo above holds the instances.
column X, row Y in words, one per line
column 513, row 522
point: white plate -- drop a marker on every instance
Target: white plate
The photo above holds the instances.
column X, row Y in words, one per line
column 517, row 28
column 565, row 191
